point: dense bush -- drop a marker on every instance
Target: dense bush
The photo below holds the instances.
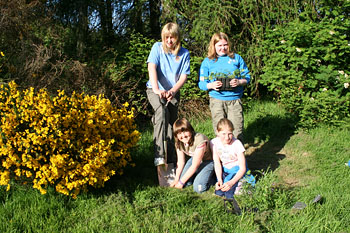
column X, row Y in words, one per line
column 129, row 74
column 306, row 66
column 66, row 142
column 190, row 90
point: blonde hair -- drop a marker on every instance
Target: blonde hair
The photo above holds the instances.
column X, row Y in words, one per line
column 173, row 30
column 224, row 123
column 215, row 39
column 182, row 125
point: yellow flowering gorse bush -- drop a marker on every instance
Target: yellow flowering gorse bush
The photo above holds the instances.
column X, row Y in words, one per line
column 67, row 142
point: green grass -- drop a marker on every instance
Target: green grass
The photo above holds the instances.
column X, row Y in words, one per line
column 290, row 166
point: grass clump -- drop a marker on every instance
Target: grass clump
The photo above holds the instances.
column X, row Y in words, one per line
column 291, row 166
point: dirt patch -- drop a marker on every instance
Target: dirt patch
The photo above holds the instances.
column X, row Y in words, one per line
column 293, row 169
column 263, row 156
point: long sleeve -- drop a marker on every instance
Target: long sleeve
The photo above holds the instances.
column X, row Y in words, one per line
column 243, row 66
column 204, row 75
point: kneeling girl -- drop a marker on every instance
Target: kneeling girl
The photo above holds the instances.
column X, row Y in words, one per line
column 230, row 163
column 199, row 168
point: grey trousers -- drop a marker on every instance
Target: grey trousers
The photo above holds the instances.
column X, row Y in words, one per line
column 232, row 110
column 158, row 122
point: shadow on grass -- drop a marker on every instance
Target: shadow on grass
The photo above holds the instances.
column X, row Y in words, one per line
column 142, row 175
column 266, row 136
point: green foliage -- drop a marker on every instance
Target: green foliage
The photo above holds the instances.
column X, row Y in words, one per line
column 129, row 73
column 306, row 67
column 78, row 46
column 190, row 90
column 199, row 20
column 266, row 195
column 244, row 21
column 236, row 74
column 212, row 16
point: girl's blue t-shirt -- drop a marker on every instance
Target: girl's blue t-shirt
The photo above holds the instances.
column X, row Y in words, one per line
column 223, row 65
column 169, row 66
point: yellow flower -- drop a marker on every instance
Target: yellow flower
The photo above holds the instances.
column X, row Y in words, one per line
column 76, row 141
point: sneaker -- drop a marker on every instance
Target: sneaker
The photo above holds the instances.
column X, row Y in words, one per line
column 159, row 161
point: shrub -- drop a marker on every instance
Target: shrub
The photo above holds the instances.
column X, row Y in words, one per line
column 306, row 66
column 190, row 90
column 67, row 142
column 129, row 74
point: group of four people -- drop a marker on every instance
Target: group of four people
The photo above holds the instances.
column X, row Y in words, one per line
column 197, row 157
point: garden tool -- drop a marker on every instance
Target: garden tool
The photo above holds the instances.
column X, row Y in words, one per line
column 233, row 207
column 166, row 172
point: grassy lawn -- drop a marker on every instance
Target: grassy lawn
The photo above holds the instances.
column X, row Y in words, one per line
column 291, row 166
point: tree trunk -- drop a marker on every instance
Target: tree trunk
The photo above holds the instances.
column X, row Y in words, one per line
column 82, row 27
column 109, row 23
column 154, row 13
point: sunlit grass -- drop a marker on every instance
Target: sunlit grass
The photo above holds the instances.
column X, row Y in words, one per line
column 290, row 166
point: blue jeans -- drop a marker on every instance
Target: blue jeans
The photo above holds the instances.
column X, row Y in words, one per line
column 228, row 174
column 203, row 178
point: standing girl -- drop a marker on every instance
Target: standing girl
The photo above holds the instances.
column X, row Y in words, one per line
column 229, row 161
column 168, row 67
column 199, row 168
column 222, row 61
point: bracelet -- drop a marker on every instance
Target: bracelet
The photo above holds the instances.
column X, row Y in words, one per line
column 181, row 182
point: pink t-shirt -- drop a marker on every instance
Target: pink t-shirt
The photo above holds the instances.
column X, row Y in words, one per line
column 227, row 153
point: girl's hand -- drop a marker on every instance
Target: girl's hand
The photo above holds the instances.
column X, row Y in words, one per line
column 214, row 85
column 160, row 93
column 178, row 185
column 169, row 95
column 235, row 82
column 218, row 185
column 172, row 185
column 227, row 186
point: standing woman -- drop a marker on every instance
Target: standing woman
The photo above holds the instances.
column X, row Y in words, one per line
column 168, row 67
column 222, row 60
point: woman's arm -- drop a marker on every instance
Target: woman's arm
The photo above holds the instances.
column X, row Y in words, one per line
column 152, row 72
column 180, row 166
column 196, row 161
column 242, row 66
column 204, row 76
column 238, row 82
column 171, row 93
column 218, row 168
column 183, row 72
column 242, row 169
column 205, row 83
